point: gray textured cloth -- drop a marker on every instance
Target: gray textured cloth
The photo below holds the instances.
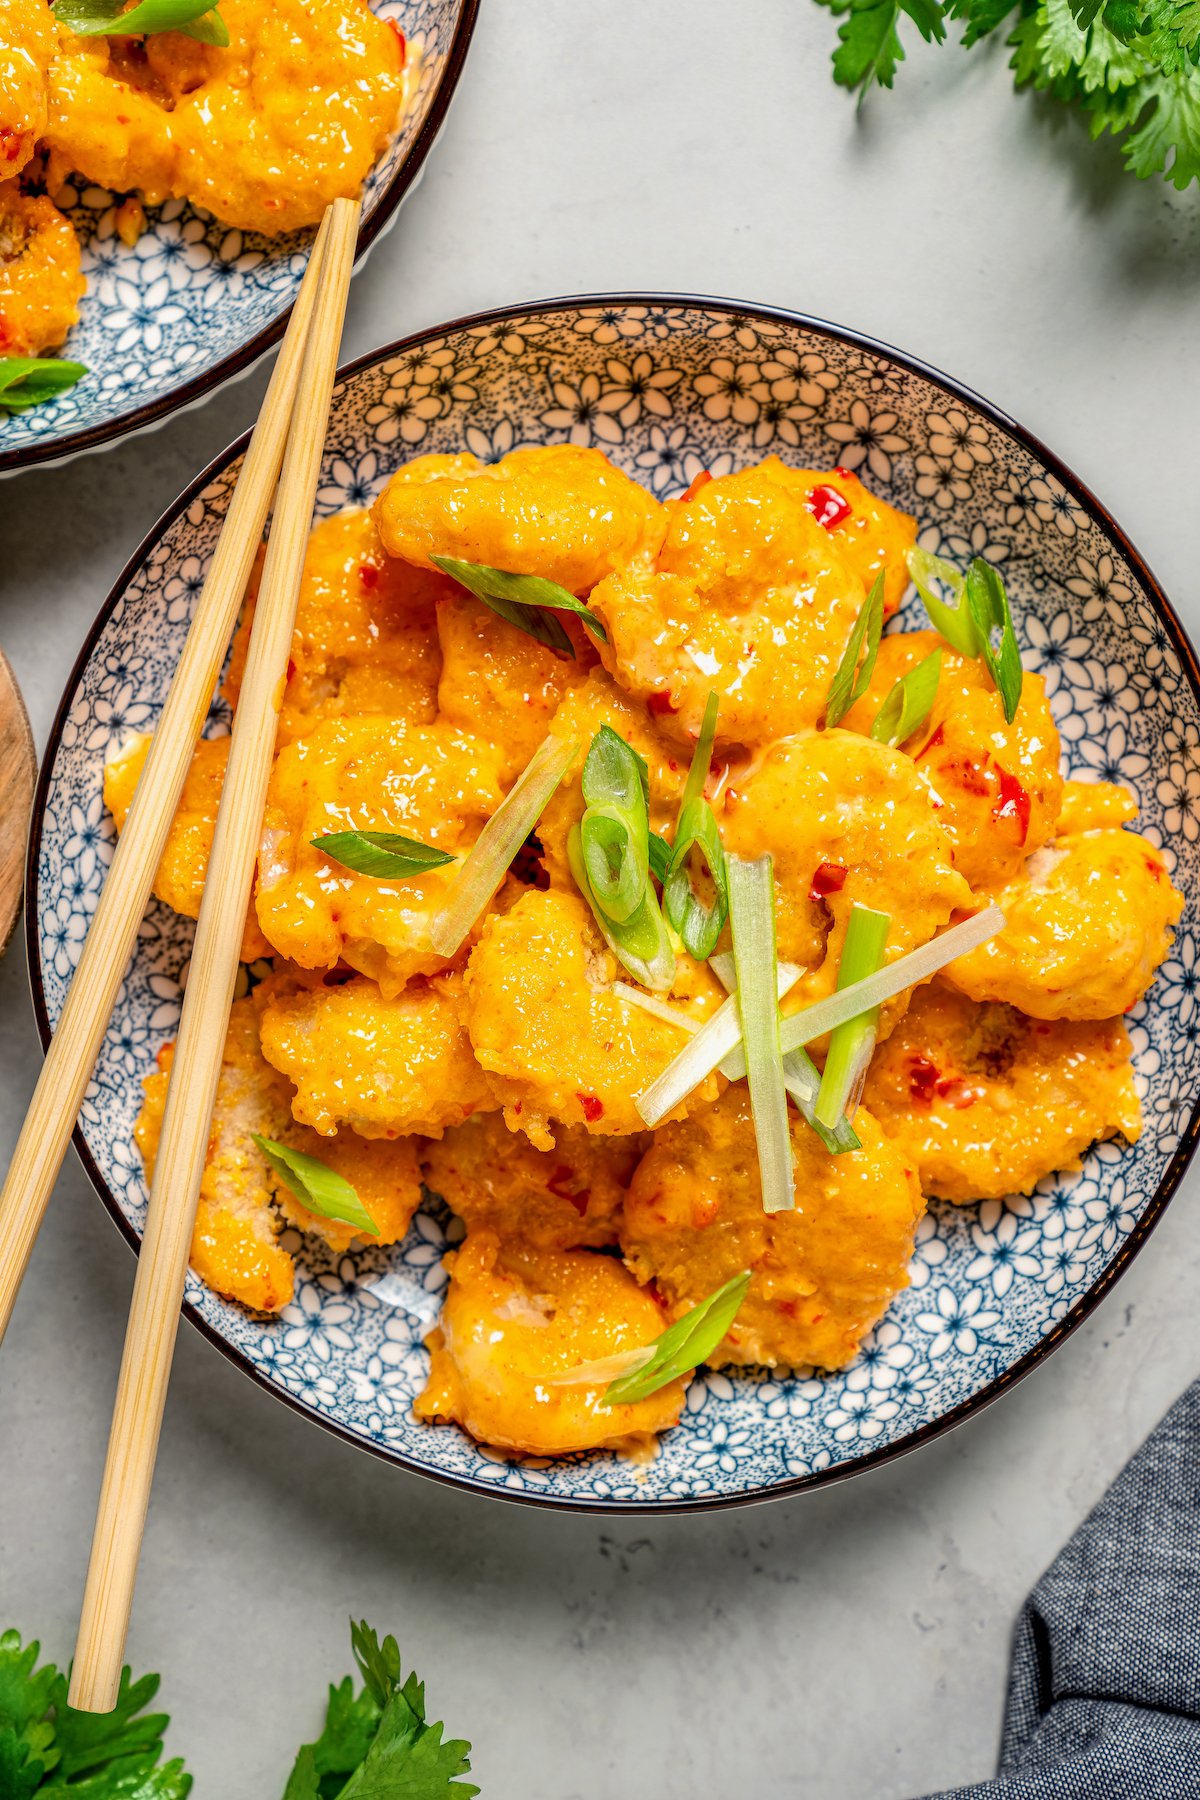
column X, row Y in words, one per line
column 1104, row 1693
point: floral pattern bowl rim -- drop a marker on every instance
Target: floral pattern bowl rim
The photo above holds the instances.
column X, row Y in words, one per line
column 1189, row 1134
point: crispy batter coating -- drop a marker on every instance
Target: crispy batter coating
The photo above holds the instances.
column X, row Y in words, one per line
column 872, row 536
column 986, row 1101
column 1090, row 805
column 835, row 808
column 997, row 786
column 545, row 1022
column 365, row 638
column 1089, row 919
column 498, row 682
column 430, row 783
column 749, row 596
column 179, row 882
column 513, row 1317
column 264, row 133
column 28, row 40
column 822, row 1274
column 383, row 1067
column 561, row 512
column 565, row 1198
column 40, row 278
column 234, row 1248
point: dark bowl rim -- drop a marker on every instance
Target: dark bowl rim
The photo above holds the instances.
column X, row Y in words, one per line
column 241, row 361
column 992, row 1390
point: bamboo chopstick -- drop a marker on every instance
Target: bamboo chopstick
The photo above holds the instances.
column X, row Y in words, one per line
column 92, row 995
column 158, row 1288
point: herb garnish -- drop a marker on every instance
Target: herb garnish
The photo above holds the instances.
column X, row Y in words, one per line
column 609, row 856
column 698, row 924
column 909, row 702
column 382, row 854
column 32, row 380
column 527, row 601
column 684, row 1345
column 852, row 1043
column 752, row 916
column 845, row 687
column 318, row 1187
column 974, row 617
column 197, row 19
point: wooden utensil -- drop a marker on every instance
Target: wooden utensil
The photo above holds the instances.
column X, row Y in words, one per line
column 18, row 773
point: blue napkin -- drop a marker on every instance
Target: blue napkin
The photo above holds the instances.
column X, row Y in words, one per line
column 1104, row 1692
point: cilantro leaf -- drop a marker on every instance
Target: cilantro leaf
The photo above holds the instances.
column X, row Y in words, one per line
column 88, row 1741
column 869, row 46
column 27, row 1750
column 408, row 1759
column 1167, row 141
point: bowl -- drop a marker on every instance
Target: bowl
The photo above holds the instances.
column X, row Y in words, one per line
column 668, row 386
column 194, row 303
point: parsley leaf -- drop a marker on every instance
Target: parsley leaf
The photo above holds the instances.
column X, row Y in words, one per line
column 869, row 46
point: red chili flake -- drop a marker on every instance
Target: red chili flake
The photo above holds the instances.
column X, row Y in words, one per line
column 1155, row 868
column 291, row 668
column 846, row 474
column 922, row 1078
column 593, row 1109
column 1013, row 802
column 400, row 40
column 661, row 703
column 827, row 506
column 829, row 878
column 368, row 574
column 702, row 480
column 787, row 1308
column 939, row 737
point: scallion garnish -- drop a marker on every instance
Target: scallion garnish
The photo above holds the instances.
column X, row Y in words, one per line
column 660, row 856
column 715, row 1045
column 752, row 918
column 318, row 1187
column 32, row 380
column 93, row 18
column 851, row 1044
column 846, row 687
column 526, row 601
column 386, row 855
column 615, row 827
column 946, row 610
column 909, row 701
column 658, row 1009
column 698, row 924
column 498, row 842
column 684, row 1345
column 976, row 620
column 640, row 943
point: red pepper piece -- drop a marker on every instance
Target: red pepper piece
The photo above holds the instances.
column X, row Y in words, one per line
column 593, row 1108
column 828, row 878
column 661, row 703
column 702, row 480
column 368, row 574
column 922, row 1078
column 828, row 507
column 1013, row 802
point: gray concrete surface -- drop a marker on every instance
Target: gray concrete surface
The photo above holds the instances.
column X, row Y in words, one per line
column 850, row 1646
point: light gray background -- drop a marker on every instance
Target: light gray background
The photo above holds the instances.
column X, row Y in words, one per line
column 851, row 1645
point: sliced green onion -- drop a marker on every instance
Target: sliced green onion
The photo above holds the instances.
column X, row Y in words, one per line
column 660, row 1009
column 684, row 1345
column 640, row 943
column 987, row 602
column 698, row 925
column 91, row 18
column 801, row 1076
column 845, row 688
column 32, row 380
column 318, row 1187
column 702, row 754
column 498, row 842
column 660, row 856
column 615, row 828
column 383, row 854
column 909, row 703
column 526, row 601
column 851, row 1044
column 713, row 1046
column 947, row 611
column 752, row 919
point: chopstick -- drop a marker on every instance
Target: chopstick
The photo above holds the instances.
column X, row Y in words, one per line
column 92, row 995
column 183, row 1147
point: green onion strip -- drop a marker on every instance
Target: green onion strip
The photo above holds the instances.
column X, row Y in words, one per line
column 698, row 925
column 714, row 1045
column 752, row 914
column 851, row 1044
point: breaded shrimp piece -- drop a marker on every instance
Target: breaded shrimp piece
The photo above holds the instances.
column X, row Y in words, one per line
column 560, row 512
column 564, row 1198
column 263, row 133
column 40, row 277
column 822, row 1274
column 1089, row 919
column 871, row 534
column 179, row 882
column 1091, row 805
column 546, row 1025
column 847, row 821
column 365, row 638
column 512, row 1319
column 28, row 40
column 584, row 710
column 985, row 1101
column 997, row 786
column 430, row 782
column 235, row 1249
column 383, row 1067
column 749, row 596
column 497, row 682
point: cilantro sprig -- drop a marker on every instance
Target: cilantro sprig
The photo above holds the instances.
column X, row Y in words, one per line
column 1129, row 67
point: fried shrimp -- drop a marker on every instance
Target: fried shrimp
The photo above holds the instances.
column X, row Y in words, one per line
column 985, row 1101
column 874, row 538
column 40, row 278
column 821, row 1274
column 28, row 40
column 513, row 1319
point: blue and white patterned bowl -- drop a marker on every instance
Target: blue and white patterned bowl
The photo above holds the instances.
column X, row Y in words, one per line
column 195, row 303
column 668, row 387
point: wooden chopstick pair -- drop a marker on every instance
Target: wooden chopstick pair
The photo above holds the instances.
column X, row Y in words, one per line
column 286, row 447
